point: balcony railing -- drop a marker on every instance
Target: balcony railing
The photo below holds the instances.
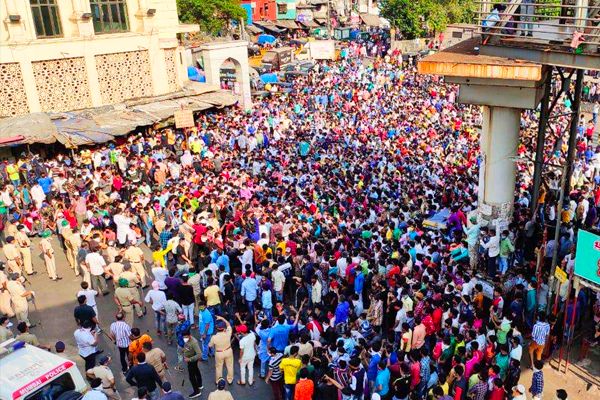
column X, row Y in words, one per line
column 567, row 25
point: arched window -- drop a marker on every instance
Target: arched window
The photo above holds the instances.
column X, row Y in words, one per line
column 45, row 18
column 110, row 16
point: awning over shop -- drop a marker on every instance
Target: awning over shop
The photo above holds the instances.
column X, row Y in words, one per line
column 33, row 128
column 287, row 24
column 254, row 29
column 268, row 26
column 310, row 24
column 370, row 19
column 103, row 124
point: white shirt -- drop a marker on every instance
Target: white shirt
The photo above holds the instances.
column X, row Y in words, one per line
column 95, row 394
column 158, row 299
column 90, row 296
column 96, row 263
column 160, row 274
column 247, row 344
column 122, row 222
column 85, row 342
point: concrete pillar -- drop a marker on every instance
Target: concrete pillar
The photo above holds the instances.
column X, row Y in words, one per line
column 499, row 142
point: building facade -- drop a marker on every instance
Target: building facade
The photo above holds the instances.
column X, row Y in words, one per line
column 262, row 10
column 62, row 55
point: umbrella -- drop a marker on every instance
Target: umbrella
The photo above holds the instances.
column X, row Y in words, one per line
column 269, row 78
column 262, row 39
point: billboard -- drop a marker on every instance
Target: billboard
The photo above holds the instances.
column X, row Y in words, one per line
column 587, row 256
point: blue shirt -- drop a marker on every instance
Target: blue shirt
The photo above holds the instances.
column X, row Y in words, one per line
column 206, row 318
column 45, row 183
column 223, row 260
column 279, row 336
column 263, row 334
column 249, row 289
column 267, row 299
column 341, row 312
column 372, row 369
column 383, row 380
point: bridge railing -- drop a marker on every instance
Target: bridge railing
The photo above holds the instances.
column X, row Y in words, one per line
column 567, row 25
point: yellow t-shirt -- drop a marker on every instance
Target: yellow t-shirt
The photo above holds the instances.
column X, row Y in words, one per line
column 290, row 367
column 13, row 172
column 211, row 294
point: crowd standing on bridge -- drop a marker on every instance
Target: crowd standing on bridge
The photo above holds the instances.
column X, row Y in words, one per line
column 295, row 238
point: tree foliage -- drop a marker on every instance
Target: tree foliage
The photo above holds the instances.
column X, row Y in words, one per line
column 213, row 16
column 420, row 18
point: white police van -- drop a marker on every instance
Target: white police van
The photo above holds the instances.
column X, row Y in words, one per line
column 30, row 373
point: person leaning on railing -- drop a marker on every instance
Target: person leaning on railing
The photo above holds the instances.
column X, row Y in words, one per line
column 493, row 17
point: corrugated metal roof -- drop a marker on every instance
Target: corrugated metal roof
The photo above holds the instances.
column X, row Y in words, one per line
column 370, row 19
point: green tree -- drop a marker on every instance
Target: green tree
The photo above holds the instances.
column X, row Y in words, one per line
column 420, row 18
column 213, row 16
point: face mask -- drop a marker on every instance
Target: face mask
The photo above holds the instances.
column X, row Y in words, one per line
column 186, row 339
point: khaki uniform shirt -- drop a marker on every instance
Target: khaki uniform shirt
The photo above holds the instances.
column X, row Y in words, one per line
column 124, row 296
column 220, row 395
column 11, row 252
column 221, row 340
column 28, row 338
column 104, row 373
column 155, row 358
column 134, row 255
column 23, row 239
column 131, row 277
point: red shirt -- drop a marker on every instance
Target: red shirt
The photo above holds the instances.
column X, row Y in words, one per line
column 497, row 394
column 304, row 390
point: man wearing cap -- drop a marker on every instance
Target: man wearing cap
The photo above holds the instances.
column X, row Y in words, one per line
column 135, row 256
column 133, row 283
column 19, row 296
column 48, row 253
column 169, row 393
column 5, row 304
column 73, row 244
column 24, row 244
column 125, row 300
column 104, row 373
column 14, row 261
column 220, row 393
column 247, row 354
column 221, row 342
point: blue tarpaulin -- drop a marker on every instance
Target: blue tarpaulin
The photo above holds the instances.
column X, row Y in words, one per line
column 195, row 75
column 268, row 78
column 262, row 39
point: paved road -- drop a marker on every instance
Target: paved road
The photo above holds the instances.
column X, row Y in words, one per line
column 55, row 304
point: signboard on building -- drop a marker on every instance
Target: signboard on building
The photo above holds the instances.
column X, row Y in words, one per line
column 184, row 119
column 587, row 256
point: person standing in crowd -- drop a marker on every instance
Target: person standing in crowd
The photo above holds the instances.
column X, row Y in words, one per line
column 144, row 375
column 247, row 345
column 120, row 333
column 48, row 254
column 191, row 354
column 290, row 366
column 539, row 334
column 103, row 372
column 206, row 327
column 87, row 340
column 24, row 244
column 221, row 342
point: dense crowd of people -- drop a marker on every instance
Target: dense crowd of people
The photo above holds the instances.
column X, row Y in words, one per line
column 295, row 237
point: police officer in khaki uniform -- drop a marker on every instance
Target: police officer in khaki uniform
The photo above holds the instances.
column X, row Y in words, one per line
column 13, row 255
column 5, row 299
column 135, row 256
column 104, row 373
column 125, row 301
column 19, row 296
column 73, row 244
column 24, row 244
column 134, row 284
column 221, row 342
